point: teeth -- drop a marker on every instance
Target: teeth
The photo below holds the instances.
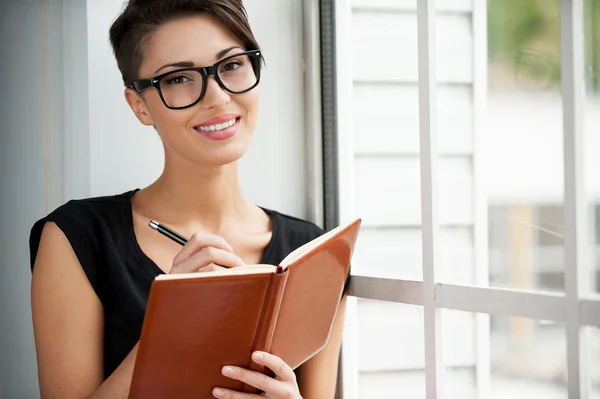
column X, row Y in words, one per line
column 217, row 127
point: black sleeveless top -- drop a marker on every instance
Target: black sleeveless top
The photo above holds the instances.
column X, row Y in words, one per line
column 100, row 230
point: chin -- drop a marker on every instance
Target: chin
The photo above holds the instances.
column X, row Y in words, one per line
column 212, row 153
column 223, row 156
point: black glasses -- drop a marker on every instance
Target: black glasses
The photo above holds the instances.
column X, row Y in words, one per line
column 185, row 87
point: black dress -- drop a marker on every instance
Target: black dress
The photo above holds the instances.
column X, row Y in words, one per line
column 101, row 232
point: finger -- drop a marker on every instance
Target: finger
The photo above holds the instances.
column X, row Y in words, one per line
column 199, row 241
column 206, row 257
column 215, row 255
column 275, row 364
column 270, row 386
column 211, row 268
column 222, row 393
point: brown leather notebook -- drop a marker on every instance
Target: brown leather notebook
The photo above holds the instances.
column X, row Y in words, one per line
column 196, row 323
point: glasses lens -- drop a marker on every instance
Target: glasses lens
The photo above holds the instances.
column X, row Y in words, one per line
column 181, row 88
column 238, row 74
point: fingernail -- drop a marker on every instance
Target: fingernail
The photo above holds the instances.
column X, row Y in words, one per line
column 258, row 356
column 227, row 370
column 218, row 392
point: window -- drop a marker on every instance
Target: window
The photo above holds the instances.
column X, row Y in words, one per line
column 477, row 219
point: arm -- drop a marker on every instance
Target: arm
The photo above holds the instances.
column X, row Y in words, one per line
column 68, row 318
column 68, row 321
column 317, row 378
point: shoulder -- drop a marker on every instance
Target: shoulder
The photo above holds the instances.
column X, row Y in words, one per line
column 83, row 228
column 78, row 219
column 83, row 207
column 296, row 230
column 289, row 233
column 292, row 232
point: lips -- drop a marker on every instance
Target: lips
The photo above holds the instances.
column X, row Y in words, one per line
column 217, row 126
column 219, row 120
column 220, row 131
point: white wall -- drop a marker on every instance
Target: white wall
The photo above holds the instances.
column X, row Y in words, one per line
column 96, row 138
column 75, row 148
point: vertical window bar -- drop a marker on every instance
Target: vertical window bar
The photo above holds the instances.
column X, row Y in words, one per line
column 312, row 108
column 336, row 30
column 575, row 209
column 329, row 114
column 429, row 193
column 480, row 227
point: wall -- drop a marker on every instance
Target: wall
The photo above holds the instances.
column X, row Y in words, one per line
column 96, row 138
column 22, row 197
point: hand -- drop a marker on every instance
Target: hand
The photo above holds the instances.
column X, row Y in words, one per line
column 204, row 253
column 283, row 386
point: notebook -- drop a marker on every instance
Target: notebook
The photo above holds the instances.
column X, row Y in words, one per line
column 196, row 323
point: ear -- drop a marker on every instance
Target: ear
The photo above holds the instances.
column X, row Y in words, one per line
column 138, row 106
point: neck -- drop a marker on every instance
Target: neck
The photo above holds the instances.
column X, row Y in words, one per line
column 207, row 196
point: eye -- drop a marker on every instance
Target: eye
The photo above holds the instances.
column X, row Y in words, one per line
column 179, row 79
column 231, row 66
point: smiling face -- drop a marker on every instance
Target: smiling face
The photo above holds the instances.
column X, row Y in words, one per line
column 215, row 131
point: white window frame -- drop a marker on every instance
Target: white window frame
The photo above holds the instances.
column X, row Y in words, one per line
column 577, row 307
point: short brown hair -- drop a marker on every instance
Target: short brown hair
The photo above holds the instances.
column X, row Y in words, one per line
column 133, row 29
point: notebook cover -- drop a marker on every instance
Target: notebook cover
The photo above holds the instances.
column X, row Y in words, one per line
column 266, row 327
column 191, row 329
column 312, row 296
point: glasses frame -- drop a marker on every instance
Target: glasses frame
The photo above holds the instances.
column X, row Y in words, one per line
column 255, row 58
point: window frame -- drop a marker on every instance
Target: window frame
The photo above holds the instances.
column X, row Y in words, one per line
column 328, row 21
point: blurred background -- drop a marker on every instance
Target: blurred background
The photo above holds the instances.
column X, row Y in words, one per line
column 67, row 132
column 500, row 138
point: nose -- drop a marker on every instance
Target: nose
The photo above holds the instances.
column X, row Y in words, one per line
column 215, row 96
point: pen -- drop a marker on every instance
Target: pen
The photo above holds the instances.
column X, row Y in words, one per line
column 167, row 232
column 173, row 235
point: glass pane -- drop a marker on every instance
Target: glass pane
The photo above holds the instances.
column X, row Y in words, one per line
column 592, row 133
column 524, row 145
column 385, row 135
column 595, row 217
column 458, row 344
column 385, row 124
column 526, row 246
column 527, row 357
column 390, row 350
column 595, row 362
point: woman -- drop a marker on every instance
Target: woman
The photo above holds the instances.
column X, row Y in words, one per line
column 94, row 259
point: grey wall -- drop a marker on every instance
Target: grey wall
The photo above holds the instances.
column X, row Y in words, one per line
column 96, row 137
column 21, row 188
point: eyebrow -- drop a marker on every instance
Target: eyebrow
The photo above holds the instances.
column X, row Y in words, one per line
column 190, row 64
